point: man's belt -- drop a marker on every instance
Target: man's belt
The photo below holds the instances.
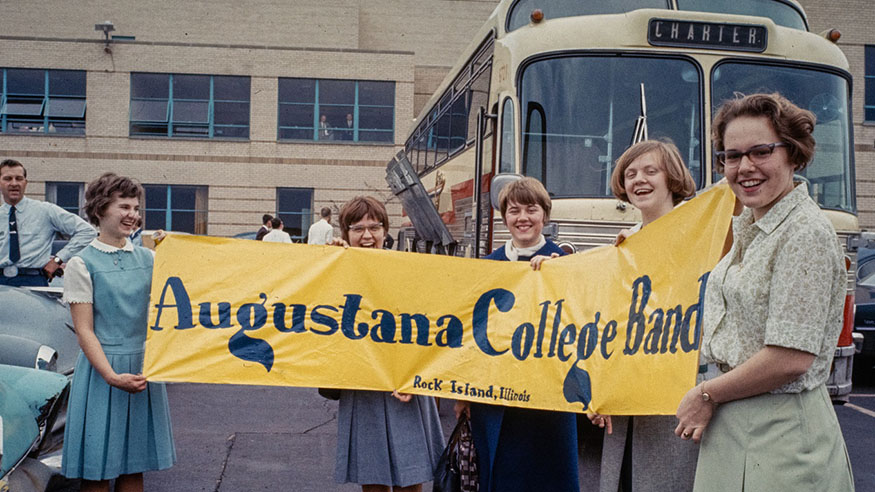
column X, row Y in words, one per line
column 14, row 271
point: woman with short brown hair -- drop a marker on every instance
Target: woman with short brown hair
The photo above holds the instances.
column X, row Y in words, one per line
column 772, row 315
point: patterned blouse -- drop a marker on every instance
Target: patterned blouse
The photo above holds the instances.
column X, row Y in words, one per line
column 782, row 284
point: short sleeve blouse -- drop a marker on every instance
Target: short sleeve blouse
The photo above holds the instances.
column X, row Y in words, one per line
column 77, row 279
column 782, row 284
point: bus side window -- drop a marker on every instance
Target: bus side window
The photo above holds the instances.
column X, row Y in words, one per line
column 506, row 164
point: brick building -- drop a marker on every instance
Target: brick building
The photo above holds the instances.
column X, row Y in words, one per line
column 228, row 110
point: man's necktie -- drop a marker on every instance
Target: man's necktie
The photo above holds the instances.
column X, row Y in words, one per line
column 14, row 252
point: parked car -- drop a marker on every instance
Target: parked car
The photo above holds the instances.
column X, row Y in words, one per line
column 864, row 316
column 31, row 400
column 38, row 351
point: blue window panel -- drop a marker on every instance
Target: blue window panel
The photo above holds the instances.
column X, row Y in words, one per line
column 231, row 88
column 231, row 113
column 65, row 195
column 191, row 87
column 176, row 208
column 376, row 118
column 377, row 93
column 297, row 90
column 869, row 103
column 191, row 111
column 156, row 219
column 296, row 134
column 66, row 83
column 42, row 101
column 190, row 106
column 149, row 110
column 25, row 81
column 150, row 86
column 231, row 131
column 353, row 111
column 63, row 107
column 296, row 115
column 23, row 106
column 295, row 209
column 337, row 92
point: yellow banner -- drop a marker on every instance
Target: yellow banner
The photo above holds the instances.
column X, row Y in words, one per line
column 614, row 330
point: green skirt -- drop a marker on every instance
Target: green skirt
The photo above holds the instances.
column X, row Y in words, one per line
column 774, row 442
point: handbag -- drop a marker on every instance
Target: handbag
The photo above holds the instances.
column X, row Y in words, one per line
column 329, row 393
column 456, row 470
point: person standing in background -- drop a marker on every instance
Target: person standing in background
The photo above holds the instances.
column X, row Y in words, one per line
column 277, row 234
column 265, row 227
column 322, row 231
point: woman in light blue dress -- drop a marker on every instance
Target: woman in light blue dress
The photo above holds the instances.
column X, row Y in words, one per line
column 118, row 425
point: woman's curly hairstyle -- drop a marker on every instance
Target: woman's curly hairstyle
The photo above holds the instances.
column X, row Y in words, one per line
column 102, row 191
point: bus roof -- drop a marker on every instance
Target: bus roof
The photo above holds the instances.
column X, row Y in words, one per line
column 612, row 31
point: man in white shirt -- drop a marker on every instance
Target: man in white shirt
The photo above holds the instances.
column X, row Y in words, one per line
column 321, row 232
column 277, row 234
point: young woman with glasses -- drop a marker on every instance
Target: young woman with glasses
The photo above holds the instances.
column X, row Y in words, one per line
column 772, row 316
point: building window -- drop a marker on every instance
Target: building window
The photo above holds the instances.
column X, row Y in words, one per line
column 69, row 196
column 43, row 101
column 294, row 206
column 869, row 105
column 176, row 208
column 189, row 106
column 336, row 110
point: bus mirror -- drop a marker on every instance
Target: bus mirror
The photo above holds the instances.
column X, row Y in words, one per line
column 499, row 181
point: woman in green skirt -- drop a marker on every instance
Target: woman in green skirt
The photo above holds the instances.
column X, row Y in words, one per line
column 772, row 316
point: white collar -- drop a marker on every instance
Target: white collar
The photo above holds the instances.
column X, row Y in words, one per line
column 108, row 248
column 513, row 253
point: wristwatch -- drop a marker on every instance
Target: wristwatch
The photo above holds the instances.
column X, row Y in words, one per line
column 58, row 260
column 706, row 397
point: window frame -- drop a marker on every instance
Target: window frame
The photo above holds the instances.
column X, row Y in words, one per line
column 201, row 194
column 868, row 77
column 52, row 195
column 357, row 105
column 171, row 124
column 47, row 125
column 306, row 214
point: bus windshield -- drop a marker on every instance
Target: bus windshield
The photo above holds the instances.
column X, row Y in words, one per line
column 826, row 95
column 781, row 13
column 518, row 15
column 579, row 114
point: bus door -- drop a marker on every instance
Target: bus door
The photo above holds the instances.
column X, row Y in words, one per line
column 426, row 220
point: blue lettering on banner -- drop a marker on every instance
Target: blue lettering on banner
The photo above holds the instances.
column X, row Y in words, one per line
column 664, row 331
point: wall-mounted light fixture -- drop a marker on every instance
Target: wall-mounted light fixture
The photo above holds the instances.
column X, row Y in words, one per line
column 106, row 27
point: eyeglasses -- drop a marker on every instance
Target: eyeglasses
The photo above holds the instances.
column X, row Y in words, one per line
column 360, row 229
column 757, row 154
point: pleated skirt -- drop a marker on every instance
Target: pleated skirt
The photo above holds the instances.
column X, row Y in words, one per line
column 775, row 442
column 110, row 432
column 659, row 459
column 383, row 441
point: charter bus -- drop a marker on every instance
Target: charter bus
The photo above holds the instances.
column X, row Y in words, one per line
column 558, row 89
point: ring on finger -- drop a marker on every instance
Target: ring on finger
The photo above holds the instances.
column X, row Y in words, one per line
column 686, row 435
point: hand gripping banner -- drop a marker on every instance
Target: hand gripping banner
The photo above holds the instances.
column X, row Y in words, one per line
column 614, row 330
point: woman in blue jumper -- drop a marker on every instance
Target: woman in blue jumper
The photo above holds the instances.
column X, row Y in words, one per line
column 118, row 425
column 523, row 449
